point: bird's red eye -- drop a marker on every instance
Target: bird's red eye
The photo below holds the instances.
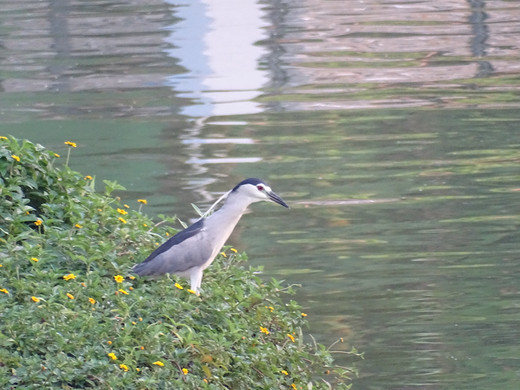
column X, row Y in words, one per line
column 260, row 188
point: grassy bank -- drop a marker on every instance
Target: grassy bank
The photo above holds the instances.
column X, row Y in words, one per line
column 73, row 316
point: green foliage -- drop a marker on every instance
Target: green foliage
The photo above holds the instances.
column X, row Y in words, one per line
column 74, row 317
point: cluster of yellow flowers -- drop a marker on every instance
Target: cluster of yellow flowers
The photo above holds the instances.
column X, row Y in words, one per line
column 177, row 285
column 71, row 276
column 120, row 279
column 125, row 368
column 289, row 336
column 68, row 143
column 231, row 249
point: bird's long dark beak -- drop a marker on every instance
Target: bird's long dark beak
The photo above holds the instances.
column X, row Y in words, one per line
column 276, row 199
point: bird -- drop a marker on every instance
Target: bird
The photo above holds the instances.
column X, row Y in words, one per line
column 189, row 252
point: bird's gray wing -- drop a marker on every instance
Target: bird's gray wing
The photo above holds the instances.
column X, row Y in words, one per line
column 185, row 250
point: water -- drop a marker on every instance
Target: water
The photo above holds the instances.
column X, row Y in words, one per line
column 391, row 127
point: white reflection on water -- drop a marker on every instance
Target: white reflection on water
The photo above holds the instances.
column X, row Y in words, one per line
column 215, row 42
column 229, row 160
column 242, row 141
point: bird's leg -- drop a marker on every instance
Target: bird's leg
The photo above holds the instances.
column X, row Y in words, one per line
column 196, row 279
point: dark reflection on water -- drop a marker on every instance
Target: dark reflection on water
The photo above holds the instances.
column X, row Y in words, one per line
column 391, row 128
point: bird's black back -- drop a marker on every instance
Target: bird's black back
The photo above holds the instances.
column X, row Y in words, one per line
column 190, row 231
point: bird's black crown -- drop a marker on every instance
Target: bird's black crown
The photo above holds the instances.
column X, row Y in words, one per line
column 252, row 180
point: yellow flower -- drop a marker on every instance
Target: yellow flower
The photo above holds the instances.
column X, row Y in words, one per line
column 15, row 157
column 123, row 291
column 122, row 220
column 92, row 300
column 123, row 367
column 264, row 330
column 57, row 155
column 291, row 337
column 185, row 371
column 35, row 259
column 304, row 315
column 191, row 291
column 294, row 386
column 88, row 177
column 158, row 363
column 69, row 277
column 131, row 277
column 284, row 372
column 122, row 212
column 119, row 278
column 35, row 299
column 2, row 137
column 71, row 144
column 126, row 206
column 179, row 286
column 223, row 254
column 38, row 222
column 78, row 226
column 4, row 291
column 143, row 201
column 271, row 309
column 70, row 296
column 109, row 342
column 233, row 250
column 112, row 355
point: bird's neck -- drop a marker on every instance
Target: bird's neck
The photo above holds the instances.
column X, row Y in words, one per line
column 225, row 219
column 234, row 206
column 230, row 213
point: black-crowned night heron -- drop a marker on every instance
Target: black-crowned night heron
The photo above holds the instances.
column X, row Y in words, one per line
column 192, row 250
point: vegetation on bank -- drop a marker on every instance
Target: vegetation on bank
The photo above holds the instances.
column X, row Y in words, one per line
column 73, row 316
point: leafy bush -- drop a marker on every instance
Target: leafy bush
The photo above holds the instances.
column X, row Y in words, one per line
column 73, row 316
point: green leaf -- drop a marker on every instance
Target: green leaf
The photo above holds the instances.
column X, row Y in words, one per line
column 111, row 186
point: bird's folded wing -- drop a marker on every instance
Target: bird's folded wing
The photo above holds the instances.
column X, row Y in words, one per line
column 183, row 251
